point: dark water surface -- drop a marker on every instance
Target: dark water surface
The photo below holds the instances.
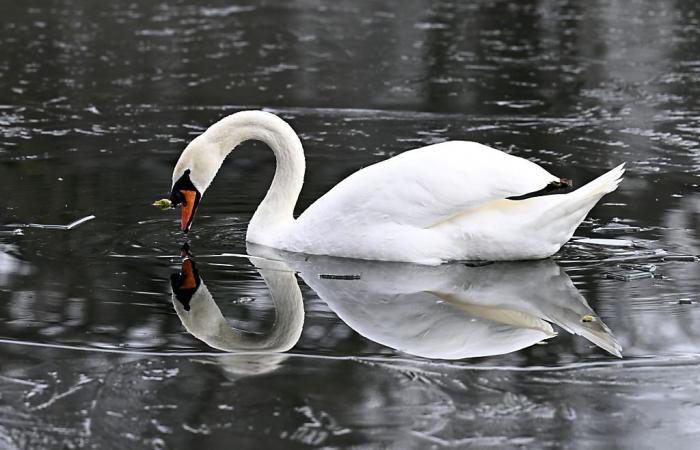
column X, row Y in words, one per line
column 97, row 99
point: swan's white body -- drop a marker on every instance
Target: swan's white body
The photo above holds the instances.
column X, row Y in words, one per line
column 430, row 205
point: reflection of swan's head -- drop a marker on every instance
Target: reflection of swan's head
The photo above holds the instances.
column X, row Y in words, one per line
column 202, row 317
column 185, row 283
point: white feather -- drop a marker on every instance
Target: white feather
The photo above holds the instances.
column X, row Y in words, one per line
column 429, row 205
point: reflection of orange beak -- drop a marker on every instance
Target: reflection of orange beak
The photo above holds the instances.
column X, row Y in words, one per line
column 185, row 283
column 188, row 207
column 188, row 279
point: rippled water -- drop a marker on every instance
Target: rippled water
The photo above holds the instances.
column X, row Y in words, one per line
column 98, row 99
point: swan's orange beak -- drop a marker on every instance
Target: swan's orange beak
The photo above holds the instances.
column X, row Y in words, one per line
column 189, row 206
column 187, row 196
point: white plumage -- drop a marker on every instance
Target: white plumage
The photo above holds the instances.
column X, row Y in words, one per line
column 430, row 205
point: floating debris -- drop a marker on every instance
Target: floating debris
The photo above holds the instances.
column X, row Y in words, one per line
column 617, row 228
column 649, row 267
column 643, row 244
column 79, row 222
column 163, row 203
column 15, row 232
column 681, row 258
column 605, row 242
column 629, row 275
column 588, row 318
column 243, row 300
column 70, row 226
column 327, row 276
column 636, row 255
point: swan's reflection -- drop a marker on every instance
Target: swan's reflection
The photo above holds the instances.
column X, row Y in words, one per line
column 203, row 319
column 448, row 312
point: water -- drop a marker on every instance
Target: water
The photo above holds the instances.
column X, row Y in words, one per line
column 99, row 99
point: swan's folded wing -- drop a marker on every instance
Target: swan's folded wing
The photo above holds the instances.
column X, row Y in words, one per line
column 428, row 185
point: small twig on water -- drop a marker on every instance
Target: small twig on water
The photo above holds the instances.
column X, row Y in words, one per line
column 70, row 226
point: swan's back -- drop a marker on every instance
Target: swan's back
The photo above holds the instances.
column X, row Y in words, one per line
column 444, row 202
column 386, row 211
column 427, row 185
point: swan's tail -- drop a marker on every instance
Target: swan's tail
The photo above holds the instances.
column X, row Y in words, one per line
column 584, row 198
column 532, row 228
column 562, row 214
column 578, row 203
column 579, row 318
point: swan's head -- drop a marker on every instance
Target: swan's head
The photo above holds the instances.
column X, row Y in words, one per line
column 192, row 175
column 185, row 195
column 202, row 158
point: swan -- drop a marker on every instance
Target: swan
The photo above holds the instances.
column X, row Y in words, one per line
column 451, row 201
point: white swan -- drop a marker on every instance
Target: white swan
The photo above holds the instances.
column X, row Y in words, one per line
column 443, row 202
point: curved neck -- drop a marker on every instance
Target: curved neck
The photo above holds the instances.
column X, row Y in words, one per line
column 277, row 208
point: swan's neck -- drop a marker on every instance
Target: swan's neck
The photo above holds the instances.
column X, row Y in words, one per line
column 276, row 211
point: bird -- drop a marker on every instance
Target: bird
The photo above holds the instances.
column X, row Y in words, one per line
column 451, row 201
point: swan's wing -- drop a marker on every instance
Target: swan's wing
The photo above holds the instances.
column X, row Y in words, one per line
column 425, row 186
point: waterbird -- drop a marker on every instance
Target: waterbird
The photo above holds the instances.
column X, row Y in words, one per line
column 456, row 200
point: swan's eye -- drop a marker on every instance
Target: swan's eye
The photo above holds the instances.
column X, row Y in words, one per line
column 176, row 197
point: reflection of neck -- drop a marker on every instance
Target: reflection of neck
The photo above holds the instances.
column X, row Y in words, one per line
column 277, row 208
column 205, row 321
